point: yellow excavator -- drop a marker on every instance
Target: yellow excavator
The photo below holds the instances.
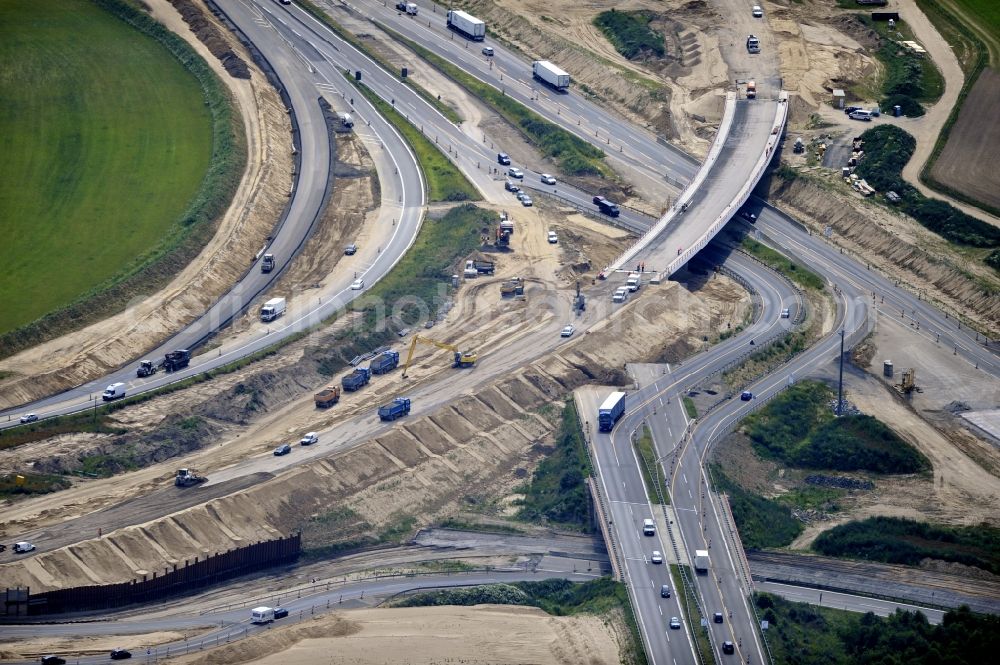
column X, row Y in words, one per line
column 462, row 358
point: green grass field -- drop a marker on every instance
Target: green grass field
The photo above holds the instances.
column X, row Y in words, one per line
column 106, row 139
column 986, row 14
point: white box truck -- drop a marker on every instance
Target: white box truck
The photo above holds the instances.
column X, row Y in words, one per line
column 546, row 72
column 272, row 309
column 411, row 8
column 701, row 562
column 114, row 391
column 467, row 24
column 634, row 281
column 261, row 615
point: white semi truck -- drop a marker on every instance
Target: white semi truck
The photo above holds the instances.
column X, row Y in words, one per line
column 467, row 24
column 272, row 309
column 546, row 72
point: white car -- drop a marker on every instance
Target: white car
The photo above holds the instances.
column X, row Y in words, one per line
column 548, row 179
column 567, row 331
column 757, row 12
column 357, row 284
column 526, row 201
column 656, row 557
column 515, row 172
column 675, row 623
column 29, row 418
column 487, row 50
column 553, row 238
column 309, row 439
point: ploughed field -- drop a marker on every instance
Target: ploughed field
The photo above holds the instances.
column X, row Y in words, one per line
column 106, row 138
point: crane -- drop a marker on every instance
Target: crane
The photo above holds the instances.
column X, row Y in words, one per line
column 462, row 359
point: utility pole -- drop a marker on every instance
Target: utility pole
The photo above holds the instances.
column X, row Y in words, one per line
column 840, row 387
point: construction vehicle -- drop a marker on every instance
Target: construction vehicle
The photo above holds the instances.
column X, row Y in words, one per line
column 187, row 478
column 751, row 90
column 909, row 383
column 327, row 397
column 397, row 408
column 384, row 362
column 579, row 301
column 267, row 264
column 175, row 360
column 146, row 368
column 512, row 287
column 357, row 379
column 462, row 359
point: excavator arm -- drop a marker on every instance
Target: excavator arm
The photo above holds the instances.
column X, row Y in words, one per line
column 466, row 359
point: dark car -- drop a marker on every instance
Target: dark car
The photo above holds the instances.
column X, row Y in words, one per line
column 280, row 612
column 351, row 249
column 746, row 395
column 717, row 617
column 53, row 660
column 664, row 591
column 850, row 109
column 282, row 450
column 749, row 216
column 121, row 654
column 727, row 647
column 503, row 158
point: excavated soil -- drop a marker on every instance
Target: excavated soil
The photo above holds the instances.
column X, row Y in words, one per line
column 894, row 243
column 84, row 355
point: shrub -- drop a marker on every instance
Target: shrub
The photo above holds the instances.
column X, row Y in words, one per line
column 630, row 34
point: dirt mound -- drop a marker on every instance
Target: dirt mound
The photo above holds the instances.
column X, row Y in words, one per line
column 211, row 37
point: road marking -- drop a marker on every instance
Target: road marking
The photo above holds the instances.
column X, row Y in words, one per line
column 685, row 478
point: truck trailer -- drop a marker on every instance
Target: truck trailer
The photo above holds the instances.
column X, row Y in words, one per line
column 262, row 615
column 267, row 264
column 547, row 73
column 176, row 360
column 466, row 24
column 609, row 208
column 701, row 562
column 397, row 408
column 611, row 411
column 327, row 397
column 356, row 379
column 272, row 309
column 384, row 362
column 114, row 391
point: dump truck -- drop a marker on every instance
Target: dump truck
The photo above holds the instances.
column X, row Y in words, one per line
column 176, row 360
column 397, row 408
column 751, row 90
column 114, row 391
column 187, row 478
column 474, row 268
column 701, row 562
column 267, row 263
column 753, row 44
column 356, row 379
column 146, row 368
column 466, row 24
column 512, row 287
column 327, row 397
column 272, row 309
column 547, row 73
column 384, row 362
column 610, row 411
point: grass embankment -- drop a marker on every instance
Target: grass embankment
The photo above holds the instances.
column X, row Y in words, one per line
column 897, row 540
column 909, row 79
column 444, row 181
column 573, row 155
column 655, row 482
column 353, row 40
column 761, row 522
column 630, row 34
column 689, row 407
column 798, row 428
column 555, row 597
column 887, row 150
column 780, row 263
column 557, row 492
column 30, row 483
column 986, row 15
column 803, row 633
column 96, row 148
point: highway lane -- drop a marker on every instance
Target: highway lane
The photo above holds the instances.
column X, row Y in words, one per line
column 843, row 601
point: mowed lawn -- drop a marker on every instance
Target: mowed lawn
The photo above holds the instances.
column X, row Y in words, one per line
column 104, row 140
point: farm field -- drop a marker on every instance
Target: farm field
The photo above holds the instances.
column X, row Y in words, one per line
column 966, row 163
column 106, row 138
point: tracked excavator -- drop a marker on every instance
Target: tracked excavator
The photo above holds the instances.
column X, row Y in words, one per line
column 462, row 359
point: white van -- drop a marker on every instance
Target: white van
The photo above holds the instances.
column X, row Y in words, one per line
column 861, row 114
column 648, row 528
column 22, row 547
